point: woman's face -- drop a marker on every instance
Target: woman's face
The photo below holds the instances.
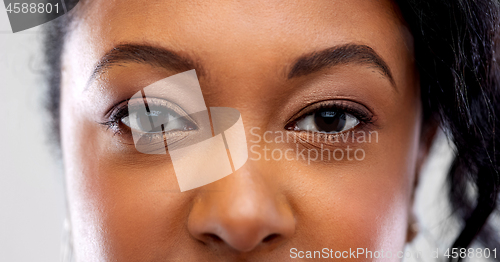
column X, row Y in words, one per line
column 291, row 68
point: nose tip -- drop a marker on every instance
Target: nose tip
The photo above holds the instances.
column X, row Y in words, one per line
column 242, row 218
column 242, row 234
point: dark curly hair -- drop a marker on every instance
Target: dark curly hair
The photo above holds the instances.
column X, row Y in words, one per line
column 456, row 52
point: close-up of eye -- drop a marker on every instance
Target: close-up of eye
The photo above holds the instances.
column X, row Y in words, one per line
column 330, row 117
column 327, row 121
column 158, row 116
column 157, row 120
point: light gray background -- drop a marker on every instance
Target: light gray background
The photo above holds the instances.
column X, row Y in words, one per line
column 31, row 189
column 31, row 195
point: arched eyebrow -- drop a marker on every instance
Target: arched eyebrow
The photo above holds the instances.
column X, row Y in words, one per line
column 144, row 54
column 304, row 65
column 339, row 55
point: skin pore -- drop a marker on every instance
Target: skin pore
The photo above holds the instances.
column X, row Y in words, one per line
column 126, row 206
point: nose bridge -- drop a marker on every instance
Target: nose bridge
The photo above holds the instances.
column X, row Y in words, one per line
column 248, row 194
column 243, row 210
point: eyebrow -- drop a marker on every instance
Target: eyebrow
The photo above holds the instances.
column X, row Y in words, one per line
column 340, row 55
column 304, row 65
column 144, row 54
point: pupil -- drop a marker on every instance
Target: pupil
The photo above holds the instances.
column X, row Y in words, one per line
column 329, row 121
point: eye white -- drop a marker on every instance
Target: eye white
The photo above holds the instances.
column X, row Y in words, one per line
column 308, row 124
column 174, row 122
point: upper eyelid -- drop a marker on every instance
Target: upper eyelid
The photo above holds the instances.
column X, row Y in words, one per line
column 121, row 109
column 355, row 109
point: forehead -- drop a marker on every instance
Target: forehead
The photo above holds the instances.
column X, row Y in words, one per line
column 238, row 33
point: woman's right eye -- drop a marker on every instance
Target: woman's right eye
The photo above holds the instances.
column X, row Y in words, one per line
column 156, row 118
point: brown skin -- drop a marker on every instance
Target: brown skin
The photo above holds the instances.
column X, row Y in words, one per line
column 126, row 206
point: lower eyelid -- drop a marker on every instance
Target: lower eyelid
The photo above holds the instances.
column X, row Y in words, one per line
column 351, row 137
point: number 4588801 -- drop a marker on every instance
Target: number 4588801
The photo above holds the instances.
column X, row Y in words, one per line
column 32, row 8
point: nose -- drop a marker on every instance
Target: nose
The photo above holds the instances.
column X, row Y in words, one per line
column 241, row 211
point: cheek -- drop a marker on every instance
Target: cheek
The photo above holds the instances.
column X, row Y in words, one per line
column 360, row 212
column 375, row 211
column 118, row 210
column 359, row 204
column 350, row 208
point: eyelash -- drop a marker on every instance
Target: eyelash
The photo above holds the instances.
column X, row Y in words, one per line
column 115, row 116
column 363, row 115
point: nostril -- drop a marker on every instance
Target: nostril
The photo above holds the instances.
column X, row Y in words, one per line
column 213, row 237
column 216, row 239
column 270, row 238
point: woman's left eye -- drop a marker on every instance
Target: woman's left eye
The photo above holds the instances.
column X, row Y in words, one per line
column 329, row 121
